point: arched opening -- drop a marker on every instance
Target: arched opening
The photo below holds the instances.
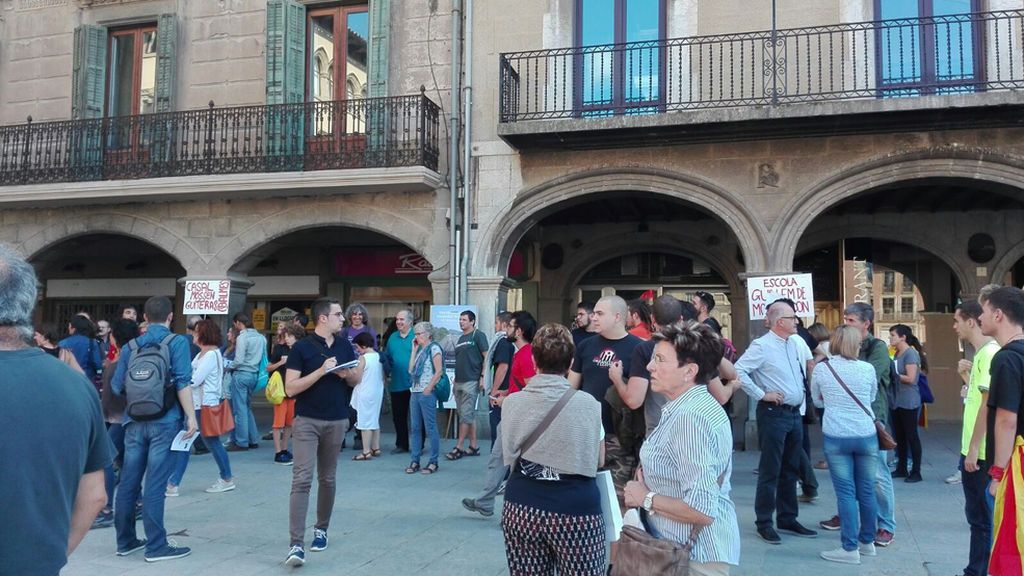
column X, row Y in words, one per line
column 912, row 249
column 289, row 271
column 99, row 273
column 625, row 242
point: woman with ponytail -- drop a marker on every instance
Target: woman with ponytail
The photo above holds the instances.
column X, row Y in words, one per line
column 910, row 362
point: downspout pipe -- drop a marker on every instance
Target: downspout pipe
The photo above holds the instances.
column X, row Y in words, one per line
column 467, row 148
column 453, row 154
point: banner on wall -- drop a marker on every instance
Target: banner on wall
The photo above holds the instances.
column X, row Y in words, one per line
column 445, row 320
column 206, row 297
column 763, row 290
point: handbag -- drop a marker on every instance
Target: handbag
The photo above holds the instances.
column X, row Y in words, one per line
column 925, row 390
column 885, row 440
column 640, row 553
column 216, row 420
column 275, row 389
column 443, row 388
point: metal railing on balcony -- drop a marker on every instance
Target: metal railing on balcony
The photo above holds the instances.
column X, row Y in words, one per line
column 365, row 133
column 880, row 59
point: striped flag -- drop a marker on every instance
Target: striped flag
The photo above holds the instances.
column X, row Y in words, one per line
column 1008, row 535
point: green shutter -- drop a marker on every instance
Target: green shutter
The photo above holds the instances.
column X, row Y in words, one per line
column 286, row 73
column 380, row 31
column 377, row 120
column 89, row 72
column 166, row 53
column 286, row 52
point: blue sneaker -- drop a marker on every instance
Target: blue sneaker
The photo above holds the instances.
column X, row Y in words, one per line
column 296, row 556
column 133, row 547
column 168, row 553
column 319, row 540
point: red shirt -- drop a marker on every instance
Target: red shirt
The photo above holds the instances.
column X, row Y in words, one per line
column 522, row 369
column 641, row 331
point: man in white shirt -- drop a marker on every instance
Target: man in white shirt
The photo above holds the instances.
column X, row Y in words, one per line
column 772, row 373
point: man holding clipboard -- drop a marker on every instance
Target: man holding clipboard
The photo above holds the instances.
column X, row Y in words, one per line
column 322, row 387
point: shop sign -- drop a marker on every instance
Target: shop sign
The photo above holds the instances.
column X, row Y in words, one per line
column 283, row 315
column 259, row 318
column 206, row 297
column 380, row 262
column 763, row 290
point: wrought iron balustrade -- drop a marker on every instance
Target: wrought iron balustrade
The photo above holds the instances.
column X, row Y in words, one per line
column 364, row 133
column 881, row 59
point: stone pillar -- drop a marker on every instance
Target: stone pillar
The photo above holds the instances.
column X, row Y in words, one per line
column 490, row 295
column 439, row 283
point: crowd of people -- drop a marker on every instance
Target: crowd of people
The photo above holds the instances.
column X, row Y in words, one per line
column 640, row 389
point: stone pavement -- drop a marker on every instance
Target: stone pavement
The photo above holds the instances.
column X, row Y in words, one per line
column 388, row 523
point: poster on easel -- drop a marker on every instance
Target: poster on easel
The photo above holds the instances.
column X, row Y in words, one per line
column 445, row 319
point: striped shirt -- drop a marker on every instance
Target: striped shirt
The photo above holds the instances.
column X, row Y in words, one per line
column 683, row 459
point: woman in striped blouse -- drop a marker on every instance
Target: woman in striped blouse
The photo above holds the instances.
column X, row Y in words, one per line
column 685, row 464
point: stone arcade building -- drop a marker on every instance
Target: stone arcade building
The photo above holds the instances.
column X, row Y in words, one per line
column 616, row 146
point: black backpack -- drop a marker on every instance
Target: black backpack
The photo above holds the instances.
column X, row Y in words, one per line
column 148, row 390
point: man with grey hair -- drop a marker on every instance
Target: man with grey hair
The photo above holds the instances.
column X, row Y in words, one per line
column 875, row 351
column 398, row 349
column 48, row 408
column 772, row 373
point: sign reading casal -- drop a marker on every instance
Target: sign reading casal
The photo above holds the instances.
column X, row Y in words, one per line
column 206, row 297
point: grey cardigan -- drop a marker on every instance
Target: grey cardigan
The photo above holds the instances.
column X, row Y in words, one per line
column 570, row 444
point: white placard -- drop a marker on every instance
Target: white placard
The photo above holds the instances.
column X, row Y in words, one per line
column 206, row 297
column 763, row 290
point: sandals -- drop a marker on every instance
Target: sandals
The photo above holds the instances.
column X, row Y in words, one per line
column 456, row 454
column 430, row 469
column 413, row 468
column 363, row 456
column 376, row 452
column 471, row 451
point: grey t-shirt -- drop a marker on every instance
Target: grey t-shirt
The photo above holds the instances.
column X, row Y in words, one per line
column 908, row 396
column 469, row 356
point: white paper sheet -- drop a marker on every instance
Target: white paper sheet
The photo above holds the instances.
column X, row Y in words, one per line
column 182, row 444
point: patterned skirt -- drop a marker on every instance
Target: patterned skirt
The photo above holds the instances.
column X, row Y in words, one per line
column 541, row 542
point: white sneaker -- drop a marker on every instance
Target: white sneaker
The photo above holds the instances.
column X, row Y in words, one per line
column 171, row 492
column 867, row 549
column 842, row 556
column 954, row 478
column 221, row 486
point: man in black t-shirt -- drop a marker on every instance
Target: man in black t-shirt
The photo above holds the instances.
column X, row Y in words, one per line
column 1002, row 318
column 499, row 359
column 322, row 393
column 583, row 329
column 590, row 365
column 705, row 303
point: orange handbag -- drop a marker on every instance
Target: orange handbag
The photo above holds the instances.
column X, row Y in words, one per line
column 216, row 420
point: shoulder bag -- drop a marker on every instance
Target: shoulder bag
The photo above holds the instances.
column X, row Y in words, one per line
column 639, row 552
column 885, row 440
column 216, row 420
column 543, row 426
column 443, row 388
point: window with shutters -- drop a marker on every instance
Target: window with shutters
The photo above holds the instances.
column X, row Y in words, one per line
column 131, row 71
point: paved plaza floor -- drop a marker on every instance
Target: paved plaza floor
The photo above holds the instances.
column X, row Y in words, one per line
column 389, row 523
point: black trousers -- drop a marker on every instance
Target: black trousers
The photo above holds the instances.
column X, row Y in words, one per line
column 780, row 432
column 979, row 517
column 400, row 416
column 908, row 442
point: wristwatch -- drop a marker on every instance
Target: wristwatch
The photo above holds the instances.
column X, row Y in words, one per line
column 648, row 504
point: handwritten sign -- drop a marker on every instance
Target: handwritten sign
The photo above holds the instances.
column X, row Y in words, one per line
column 206, row 297
column 763, row 290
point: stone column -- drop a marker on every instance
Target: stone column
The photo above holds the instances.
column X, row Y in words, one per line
column 490, row 295
column 439, row 283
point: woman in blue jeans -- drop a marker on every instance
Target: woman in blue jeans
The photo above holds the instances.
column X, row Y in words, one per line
column 426, row 364
column 207, row 390
column 851, row 443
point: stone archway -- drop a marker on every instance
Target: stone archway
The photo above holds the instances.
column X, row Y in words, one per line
column 1005, row 264
column 244, row 249
column 147, row 230
column 499, row 237
column 951, row 163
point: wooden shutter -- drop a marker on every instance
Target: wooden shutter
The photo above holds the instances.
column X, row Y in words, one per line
column 166, row 65
column 380, row 32
column 286, row 52
column 89, row 72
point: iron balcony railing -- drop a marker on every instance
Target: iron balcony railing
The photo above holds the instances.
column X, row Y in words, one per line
column 365, row 133
column 880, row 59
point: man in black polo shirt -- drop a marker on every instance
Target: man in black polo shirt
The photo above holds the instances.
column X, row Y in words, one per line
column 321, row 418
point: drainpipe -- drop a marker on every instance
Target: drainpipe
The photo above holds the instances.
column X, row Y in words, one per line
column 454, row 283
column 467, row 185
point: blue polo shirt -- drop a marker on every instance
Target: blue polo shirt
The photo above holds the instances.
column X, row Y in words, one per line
column 328, row 397
column 399, row 350
column 181, row 367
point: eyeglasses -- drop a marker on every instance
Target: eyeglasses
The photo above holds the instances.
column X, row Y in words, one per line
column 794, row 318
